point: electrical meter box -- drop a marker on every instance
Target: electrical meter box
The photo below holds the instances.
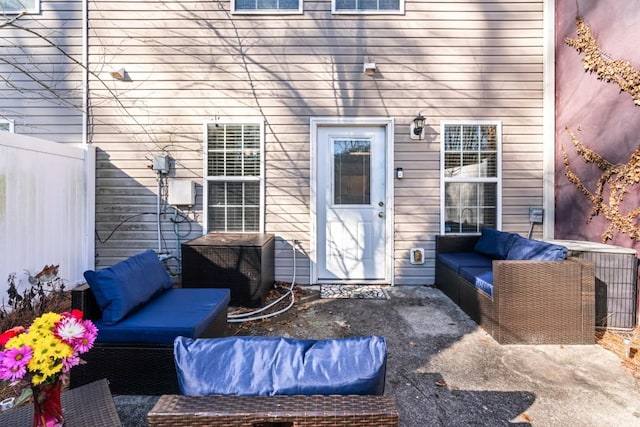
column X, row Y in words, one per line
column 161, row 164
column 535, row 215
column 182, row 192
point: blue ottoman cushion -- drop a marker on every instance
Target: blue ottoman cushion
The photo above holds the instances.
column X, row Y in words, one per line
column 280, row 366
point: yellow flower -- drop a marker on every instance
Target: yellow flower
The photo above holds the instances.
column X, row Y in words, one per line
column 38, row 379
column 46, row 322
column 49, row 347
column 17, row 341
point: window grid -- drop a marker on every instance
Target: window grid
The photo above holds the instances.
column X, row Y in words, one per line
column 266, row 6
column 6, row 126
column 367, row 6
column 233, row 170
column 470, row 176
column 13, row 7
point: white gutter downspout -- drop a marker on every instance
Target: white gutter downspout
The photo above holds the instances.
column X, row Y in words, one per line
column 85, row 72
column 89, row 225
column 549, row 119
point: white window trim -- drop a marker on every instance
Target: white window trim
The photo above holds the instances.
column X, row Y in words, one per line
column 298, row 11
column 335, row 11
column 207, row 179
column 497, row 179
column 11, row 124
column 35, row 9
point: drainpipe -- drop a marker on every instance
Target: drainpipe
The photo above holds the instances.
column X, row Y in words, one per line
column 89, row 243
column 85, row 72
column 549, row 124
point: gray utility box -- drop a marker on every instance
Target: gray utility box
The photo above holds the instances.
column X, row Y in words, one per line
column 616, row 281
column 244, row 263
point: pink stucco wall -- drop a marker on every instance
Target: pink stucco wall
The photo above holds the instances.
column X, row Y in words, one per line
column 604, row 118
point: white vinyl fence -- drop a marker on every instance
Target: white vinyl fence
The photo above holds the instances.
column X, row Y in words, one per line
column 46, row 209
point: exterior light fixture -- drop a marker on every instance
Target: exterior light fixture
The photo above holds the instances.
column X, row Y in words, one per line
column 369, row 68
column 120, row 74
column 417, row 127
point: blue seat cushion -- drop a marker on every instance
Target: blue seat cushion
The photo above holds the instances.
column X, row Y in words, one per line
column 253, row 366
column 494, row 243
column 480, row 277
column 530, row 249
column 127, row 285
column 456, row 260
column 175, row 312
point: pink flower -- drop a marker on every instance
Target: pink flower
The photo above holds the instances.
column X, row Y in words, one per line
column 86, row 342
column 69, row 330
column 70, row 362
column 14, row 363
column 90, row 328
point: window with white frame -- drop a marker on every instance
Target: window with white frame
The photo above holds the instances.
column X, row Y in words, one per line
column 367, row 6
column 266, row 6
column 9, row 7
column 234, row 183
column 6, row 125
column 470, row 176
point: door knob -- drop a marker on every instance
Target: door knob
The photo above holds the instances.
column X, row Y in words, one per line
column 381, row 214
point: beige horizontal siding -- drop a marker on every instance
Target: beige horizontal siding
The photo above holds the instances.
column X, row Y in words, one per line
column 190, row 62
column 40, row 55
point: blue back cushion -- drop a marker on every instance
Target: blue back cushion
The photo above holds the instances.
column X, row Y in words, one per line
column 268, row 366
column 457, row 260
column 494, row 243
column 176, row 312
column 125, row 286
column 530, row 249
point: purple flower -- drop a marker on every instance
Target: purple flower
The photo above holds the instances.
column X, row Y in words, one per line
column 13, row 365
column 84, row 344
column 70, row 362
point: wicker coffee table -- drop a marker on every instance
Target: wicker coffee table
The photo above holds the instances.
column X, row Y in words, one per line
column 250, row 411
column 89, row 405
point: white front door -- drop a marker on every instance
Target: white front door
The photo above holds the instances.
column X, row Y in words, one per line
column 351, row 205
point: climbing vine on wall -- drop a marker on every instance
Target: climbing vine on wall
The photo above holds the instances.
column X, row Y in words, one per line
column 619, row 178
column 608, row 69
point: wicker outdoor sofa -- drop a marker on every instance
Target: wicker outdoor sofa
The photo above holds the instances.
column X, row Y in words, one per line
column 532, row 301
column 139, row 313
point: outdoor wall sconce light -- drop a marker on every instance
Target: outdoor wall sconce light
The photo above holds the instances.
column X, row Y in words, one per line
column 417, row 127
column 369, row 68
column 120, row 74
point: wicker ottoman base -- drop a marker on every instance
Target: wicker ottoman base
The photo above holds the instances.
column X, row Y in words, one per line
column 290, row 411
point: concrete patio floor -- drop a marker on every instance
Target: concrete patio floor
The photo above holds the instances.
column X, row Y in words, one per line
column 446, row 371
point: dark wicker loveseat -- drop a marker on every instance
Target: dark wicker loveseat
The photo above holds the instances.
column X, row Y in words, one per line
column 531, row 301
column 131, row 368
column 134, row 349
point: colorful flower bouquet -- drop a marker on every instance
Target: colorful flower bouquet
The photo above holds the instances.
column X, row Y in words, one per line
column 39, row 358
